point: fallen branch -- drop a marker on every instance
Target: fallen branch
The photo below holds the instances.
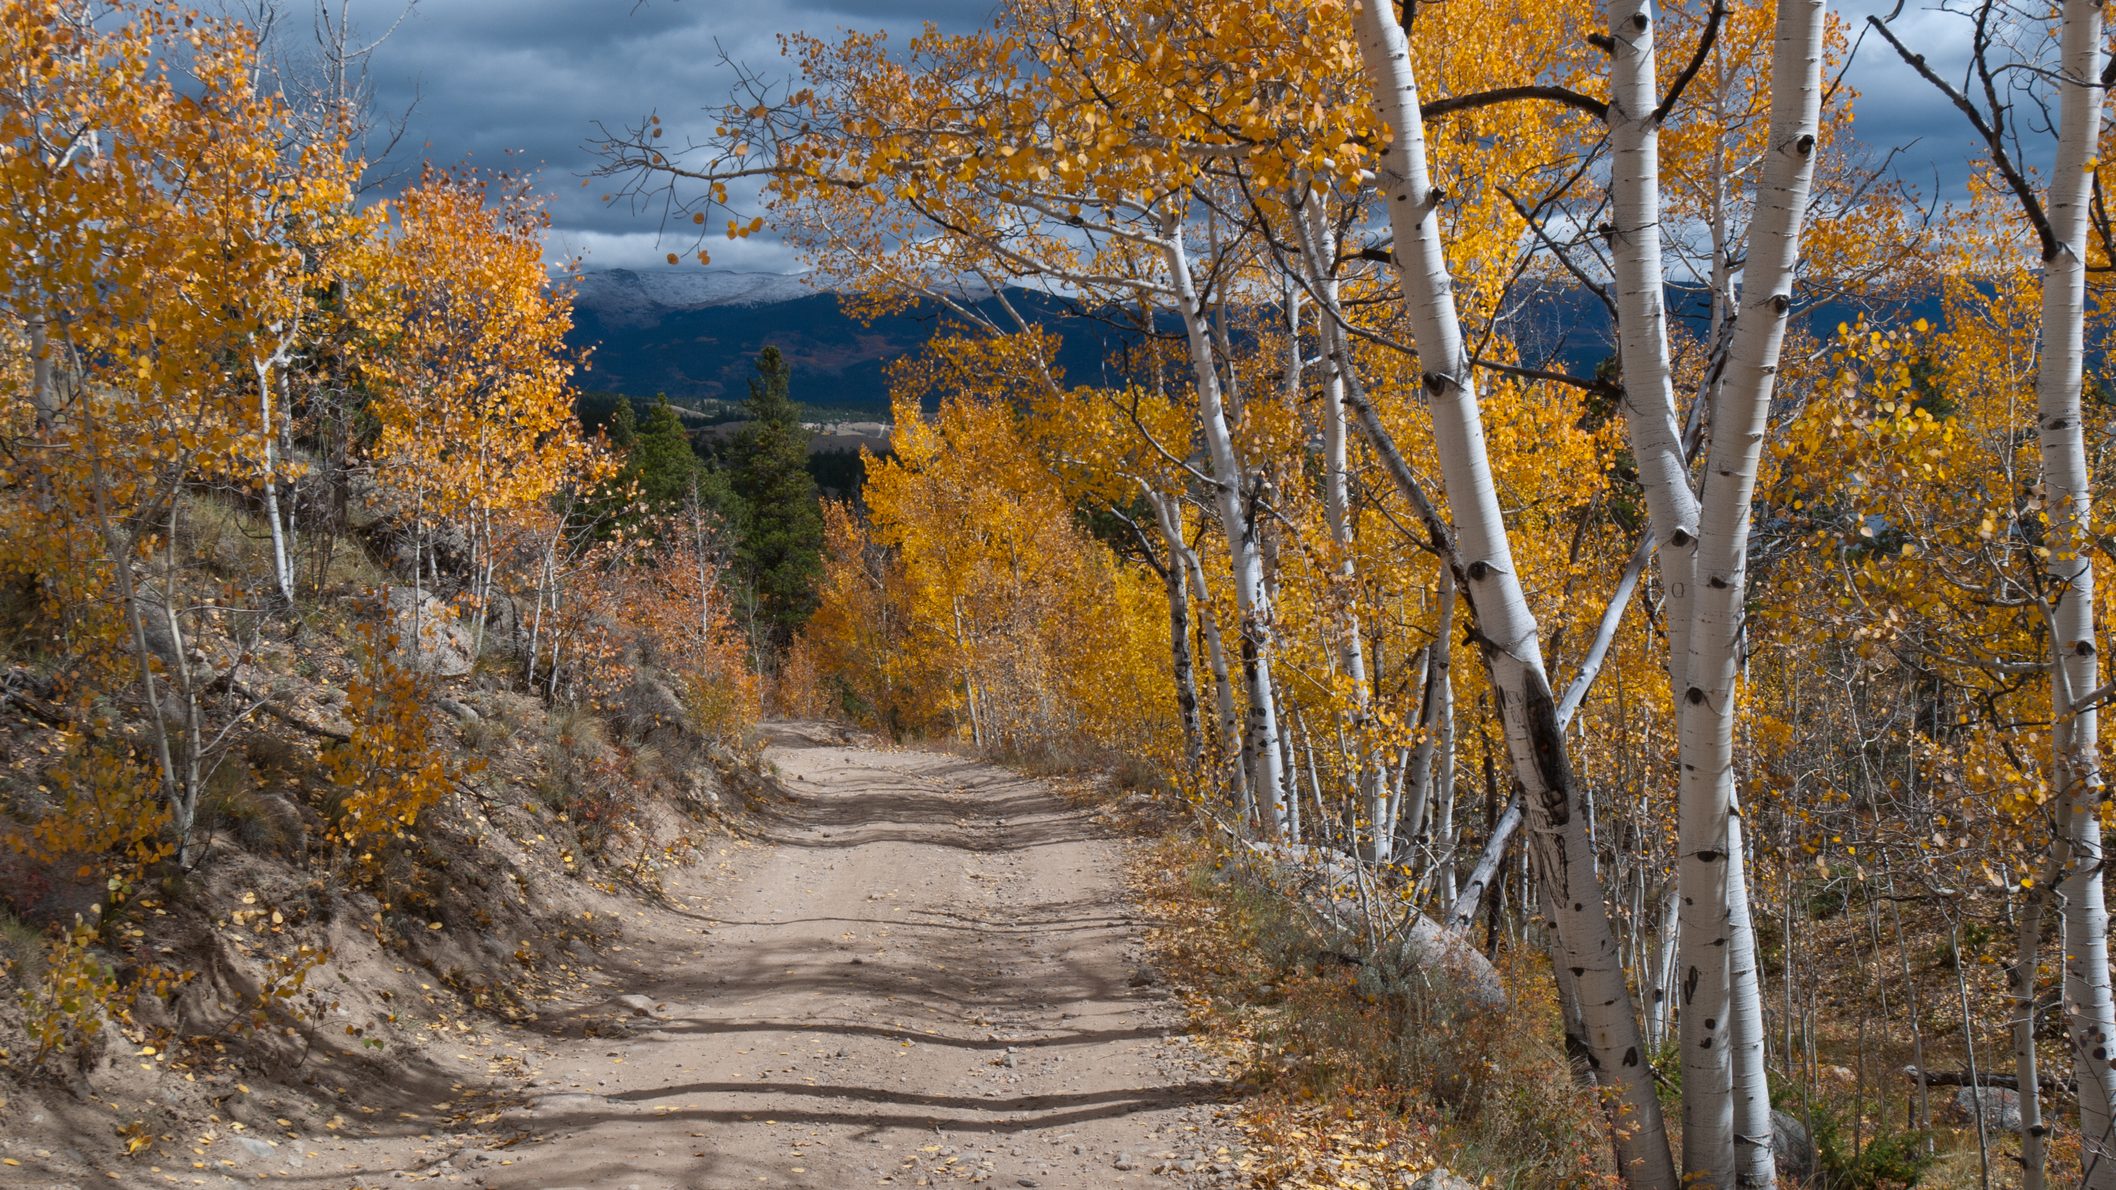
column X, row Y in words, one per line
column 1960, row 1078
column 19, row 688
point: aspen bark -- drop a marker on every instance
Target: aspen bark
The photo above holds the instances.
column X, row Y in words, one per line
column 2021, row 983
column 1715, row 1151
column 1372, row 765
column 1216, row 658
column 1642, row 321
column 268, row 433
column 1175, row 581
column 2075, row 663
column 1510, row 643
column 1755, row 1163
column 1268, row 783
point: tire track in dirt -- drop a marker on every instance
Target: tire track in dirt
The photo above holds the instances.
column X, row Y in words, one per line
column 925, row 972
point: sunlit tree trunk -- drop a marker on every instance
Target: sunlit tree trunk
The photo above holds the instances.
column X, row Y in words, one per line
column 1511, row 646
column 1267, row 765
column 1715, row 1151
column 275, row 523
column 2075, row 664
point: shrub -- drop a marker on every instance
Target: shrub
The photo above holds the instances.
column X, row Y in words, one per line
column 77, row 996
column 389, row 772
column 1884, row 1158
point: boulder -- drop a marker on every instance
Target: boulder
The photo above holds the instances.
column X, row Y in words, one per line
column 1793, row 1150
column 648, row 704
column 429, row 633
column 461, row 710
column 2001, row 1108
column 1443, row 1178
column 1340, row 891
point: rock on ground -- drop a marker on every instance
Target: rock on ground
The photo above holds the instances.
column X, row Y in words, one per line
column 2001, row 1108
column 429, row 633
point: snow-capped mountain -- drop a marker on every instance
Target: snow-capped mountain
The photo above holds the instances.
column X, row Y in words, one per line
column 637, row 297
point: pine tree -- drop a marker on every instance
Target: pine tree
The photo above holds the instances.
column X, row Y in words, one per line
column 781, row 541
column 662, row 460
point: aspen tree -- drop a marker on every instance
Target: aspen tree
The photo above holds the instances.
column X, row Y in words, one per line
column 1512, row 650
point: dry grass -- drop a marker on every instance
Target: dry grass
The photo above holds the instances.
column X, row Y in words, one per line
column 1357, row 1079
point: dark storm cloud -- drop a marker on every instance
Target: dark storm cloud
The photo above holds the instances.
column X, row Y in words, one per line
column 521, row 84
column 1897, row 110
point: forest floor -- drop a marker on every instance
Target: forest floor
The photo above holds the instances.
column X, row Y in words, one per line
column 910, row 969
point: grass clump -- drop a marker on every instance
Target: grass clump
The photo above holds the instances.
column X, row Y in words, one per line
column 1359, row 1075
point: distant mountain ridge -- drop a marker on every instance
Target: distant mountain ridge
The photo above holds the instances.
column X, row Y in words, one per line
column 694, row 334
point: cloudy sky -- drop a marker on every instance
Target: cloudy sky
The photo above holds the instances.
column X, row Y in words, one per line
column 520, row 84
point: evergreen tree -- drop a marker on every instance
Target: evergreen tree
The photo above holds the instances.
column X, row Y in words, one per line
column 662, row 460
column 659, row 473
column 624, row 427
column 781, row 538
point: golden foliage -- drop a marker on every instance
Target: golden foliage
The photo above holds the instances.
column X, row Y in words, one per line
column 979, row 604
column 389, row 772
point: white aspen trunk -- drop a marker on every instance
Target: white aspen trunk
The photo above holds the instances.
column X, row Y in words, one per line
column 1267, row 763
column 1659, row 979
column 1755, row 1163
column 1709, row 1126
column 1511, row 647
column 1462, row 911
column 43, row 376
column 1442, row 761
column 1642, row 321
column 2075, row 663
column 282, row 563
column 1289, row 796
column 546, row 580
column 1433, row 762
column 1416, row 786
column 558, row 640
column 1714, row 1152
column 1396, row 782
column 122, row 547
column 2021, row 983
column 969, row 683
column 481, row 570
column 1373, row 768
column 183, row 687
column 1183, row 668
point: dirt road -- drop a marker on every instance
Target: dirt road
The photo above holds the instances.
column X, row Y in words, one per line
column 909, row 969
column 923, row 972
